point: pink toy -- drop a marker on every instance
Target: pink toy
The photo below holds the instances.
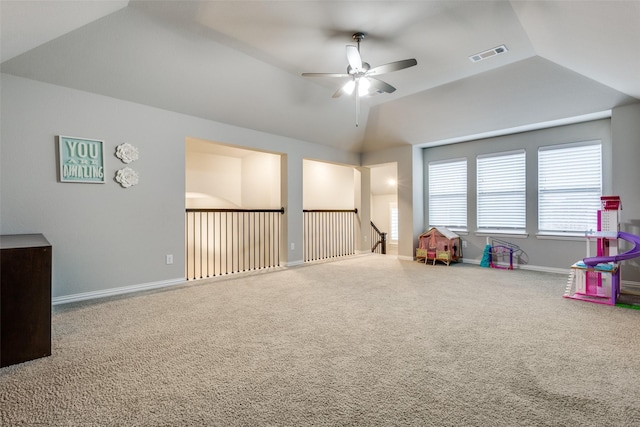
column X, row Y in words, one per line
column 439, row 244
column 500, row 250
column 597, row 279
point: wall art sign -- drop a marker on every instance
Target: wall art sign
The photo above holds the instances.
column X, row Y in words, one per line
column 81, row 159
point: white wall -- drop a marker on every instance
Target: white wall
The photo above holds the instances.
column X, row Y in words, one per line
column 239, row 179
column 384, row 192
column 261, row 181
column 213, row 181
column 105, row 237
column 328, row 186
column 381, row 213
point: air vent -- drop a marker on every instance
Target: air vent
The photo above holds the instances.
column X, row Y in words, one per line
column 488, row 53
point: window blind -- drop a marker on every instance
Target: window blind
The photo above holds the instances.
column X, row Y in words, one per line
column 569, row 187
column 501, row 191
column 448, row 194
column 393, row 208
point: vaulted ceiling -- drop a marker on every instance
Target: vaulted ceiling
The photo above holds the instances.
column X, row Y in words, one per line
column 240, row 62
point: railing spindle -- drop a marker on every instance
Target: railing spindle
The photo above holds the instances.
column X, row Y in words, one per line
column 223, row 241
column 328, row 233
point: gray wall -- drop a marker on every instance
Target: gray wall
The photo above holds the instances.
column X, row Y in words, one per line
column 539, row 253
column 105, row 237
column 625, row 131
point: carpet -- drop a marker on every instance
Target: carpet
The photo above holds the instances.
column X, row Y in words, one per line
column 362, row 341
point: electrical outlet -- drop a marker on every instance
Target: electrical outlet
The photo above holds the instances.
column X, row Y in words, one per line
column 293, row 246
column 464, row 243
column 169, row 259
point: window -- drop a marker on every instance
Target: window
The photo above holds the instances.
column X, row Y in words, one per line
column 448, row 194
column 393, row 207
column 502, row 192
column 569, row 187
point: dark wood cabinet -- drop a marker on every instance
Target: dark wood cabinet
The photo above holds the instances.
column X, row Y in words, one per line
column 25, row 298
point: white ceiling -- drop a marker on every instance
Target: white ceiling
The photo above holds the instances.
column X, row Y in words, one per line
column 239, row 62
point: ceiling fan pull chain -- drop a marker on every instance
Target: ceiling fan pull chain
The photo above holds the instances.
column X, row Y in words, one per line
column 357, row 103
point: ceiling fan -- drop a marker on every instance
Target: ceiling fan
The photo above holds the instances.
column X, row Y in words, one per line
column 362, row 78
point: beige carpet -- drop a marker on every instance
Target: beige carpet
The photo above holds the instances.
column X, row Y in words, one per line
column 364, row 341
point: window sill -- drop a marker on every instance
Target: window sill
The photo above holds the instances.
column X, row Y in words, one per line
column 459, row 232
column 502, row 233
column 564, row 236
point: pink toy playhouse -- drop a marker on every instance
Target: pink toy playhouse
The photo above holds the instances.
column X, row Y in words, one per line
column 439, row 244
column 597, row 279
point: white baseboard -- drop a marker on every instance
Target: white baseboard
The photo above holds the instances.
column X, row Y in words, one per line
column 527, row 267
column 65, row 299
column 294, row 263
column 566, row 271
column 630, row 284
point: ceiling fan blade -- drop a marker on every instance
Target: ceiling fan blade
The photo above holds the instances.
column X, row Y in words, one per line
column 380, row 86
column 324, row 75
column 353, row 56
column 338, row 93
column 392, row 66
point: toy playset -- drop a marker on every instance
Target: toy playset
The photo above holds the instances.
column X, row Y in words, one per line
column 499, row 254
column 439, row 244
column 597, row 279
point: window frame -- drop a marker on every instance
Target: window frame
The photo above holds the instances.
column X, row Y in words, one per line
column 444, row 184
column 393, row 222
column 509, row 192
column 590, row 207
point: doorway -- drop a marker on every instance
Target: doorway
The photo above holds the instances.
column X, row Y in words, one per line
column 384, row 203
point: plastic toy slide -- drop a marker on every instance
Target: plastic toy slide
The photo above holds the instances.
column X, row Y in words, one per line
column 633, row 253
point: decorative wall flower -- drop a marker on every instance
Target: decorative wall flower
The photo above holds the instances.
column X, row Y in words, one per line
column 127, row 177
column 126, row 152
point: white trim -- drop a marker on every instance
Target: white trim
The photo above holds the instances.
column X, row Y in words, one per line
column 294, row 263
column 569, row 237
column 554, row 270
column 570, row 145
column 65, row 299
column 519, row 129
column 459, row 232
column 405, row 258
column 445, row 161
column 501, row 233
column 501, row 154
column 526, row 267
column 630, row 284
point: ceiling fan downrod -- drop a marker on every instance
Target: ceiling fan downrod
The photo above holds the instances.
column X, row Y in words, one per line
column 358, row 37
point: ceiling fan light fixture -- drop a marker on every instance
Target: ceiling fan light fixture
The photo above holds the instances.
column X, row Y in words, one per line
column 363, row 86
column 349, row 87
